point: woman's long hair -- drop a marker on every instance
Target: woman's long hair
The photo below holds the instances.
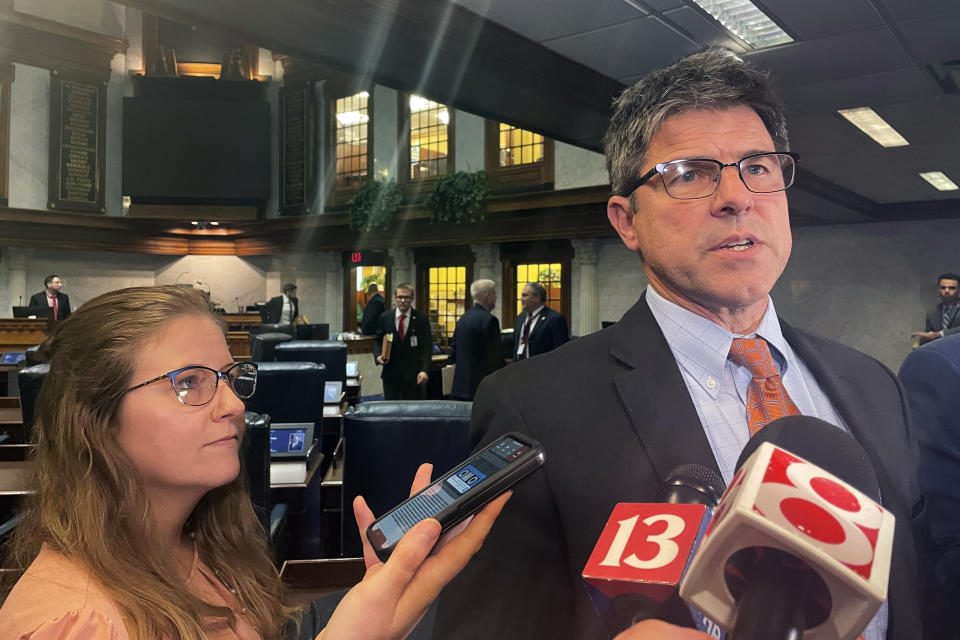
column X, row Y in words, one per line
column 91, row 505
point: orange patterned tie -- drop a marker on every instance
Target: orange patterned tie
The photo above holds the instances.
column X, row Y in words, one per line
column 767, row 400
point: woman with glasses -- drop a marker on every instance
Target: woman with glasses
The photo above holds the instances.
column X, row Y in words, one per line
column 141, row 526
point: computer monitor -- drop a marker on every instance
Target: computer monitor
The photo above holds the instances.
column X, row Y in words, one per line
column 353, row 368
column 13, row 357
column 39, row 312
column 290, row 440
column 332, row 390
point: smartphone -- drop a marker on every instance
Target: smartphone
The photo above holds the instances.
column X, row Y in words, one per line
column 461, row 492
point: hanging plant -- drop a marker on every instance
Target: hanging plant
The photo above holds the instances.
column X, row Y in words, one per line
column 459, row 197
column 375, row 205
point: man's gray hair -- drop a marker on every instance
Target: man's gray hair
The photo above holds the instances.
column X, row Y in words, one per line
column 538, row 289
column 480, row 289
column 712, row 79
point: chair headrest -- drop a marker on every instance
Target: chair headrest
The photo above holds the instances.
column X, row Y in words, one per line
column 312, row 345
column 255, row 420
column 36, row 371
column 412, row 409
column 277, row 368
column 273, row 336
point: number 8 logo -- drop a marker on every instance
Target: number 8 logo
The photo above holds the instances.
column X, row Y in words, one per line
column 824, row 510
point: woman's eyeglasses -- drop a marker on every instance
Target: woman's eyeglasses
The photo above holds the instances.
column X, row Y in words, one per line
column 196, row 385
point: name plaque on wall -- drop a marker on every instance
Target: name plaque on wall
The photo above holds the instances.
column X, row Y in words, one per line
column 77, row 140
column 297, row 178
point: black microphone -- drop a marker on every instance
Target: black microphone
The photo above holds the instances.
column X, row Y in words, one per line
column 800, row 536
column 625, row 583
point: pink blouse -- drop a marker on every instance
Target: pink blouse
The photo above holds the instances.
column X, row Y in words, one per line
column 58, row 599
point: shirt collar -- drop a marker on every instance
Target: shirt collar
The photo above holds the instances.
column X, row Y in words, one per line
column 701, row 346
column 536, row 312
column 401, row 313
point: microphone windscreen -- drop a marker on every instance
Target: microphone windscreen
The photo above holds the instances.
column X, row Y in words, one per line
column 822, row 444
column 691, row 484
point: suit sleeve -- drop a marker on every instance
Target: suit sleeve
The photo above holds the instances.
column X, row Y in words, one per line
column 425, row 342
column 491, row 335
column 64, row 309
column 931, row 318
column 378, row 336
column 561, row 332
column 931, row 381
column 516, row 587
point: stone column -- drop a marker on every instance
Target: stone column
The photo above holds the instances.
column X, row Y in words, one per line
column 403, row 271
column 332, row 264
column 588, row 307
column 486, row 263
column 17, row 260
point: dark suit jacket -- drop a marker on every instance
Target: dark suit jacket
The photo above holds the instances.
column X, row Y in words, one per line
column 274, row 308
column 476, row 351
column 63, row 303
column 935, row 319
column 547, row 334
column 614, row 417
column 406, row 361
column 931, row 376
column 371, row 313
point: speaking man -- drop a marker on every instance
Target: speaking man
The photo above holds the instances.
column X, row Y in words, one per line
column 51, row 297
column 944, row 319
column 476, row 342
column 699, row 163
column 538, row 328
column 405, row 371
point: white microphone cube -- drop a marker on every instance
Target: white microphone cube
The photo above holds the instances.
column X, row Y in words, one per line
column 778, row 500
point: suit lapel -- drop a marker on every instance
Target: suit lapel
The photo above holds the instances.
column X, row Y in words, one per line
column 655, row 396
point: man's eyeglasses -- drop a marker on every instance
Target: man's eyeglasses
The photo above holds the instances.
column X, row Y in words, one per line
column 196, row 386
column 700, row 177
column 404, row 297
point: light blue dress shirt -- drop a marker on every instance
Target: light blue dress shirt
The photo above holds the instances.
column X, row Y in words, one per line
column 718, row 387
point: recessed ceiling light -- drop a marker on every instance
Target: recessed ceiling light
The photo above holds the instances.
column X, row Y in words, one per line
column 868, row 121
column 194, row 222
column 939, row 180
column 747, row 21
column 214, row 223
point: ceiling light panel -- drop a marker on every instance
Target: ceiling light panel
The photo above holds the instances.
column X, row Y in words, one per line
column 744, row 19
column 939, row 180
column 868, row 121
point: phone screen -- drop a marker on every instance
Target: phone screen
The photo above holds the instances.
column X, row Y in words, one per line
column 466, row 478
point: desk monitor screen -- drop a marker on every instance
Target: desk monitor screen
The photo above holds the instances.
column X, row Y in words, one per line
column 291, row 440
column 353, row 368
column 14, row 357
column 39, row 312
column 332, row 391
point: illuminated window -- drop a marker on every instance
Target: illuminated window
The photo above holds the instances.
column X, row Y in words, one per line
column 519, row 146
column 352, row 137
column 549, row 275
column 447, row 291
column 429, row 138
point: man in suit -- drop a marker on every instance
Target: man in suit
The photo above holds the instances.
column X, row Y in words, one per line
column 476, row 342
column 373, row 309
column 944, row 319
column 405, row 372
column 539, row 328
column 51, row 297
column 931, row 376
column 618, row 409
column 282, row 309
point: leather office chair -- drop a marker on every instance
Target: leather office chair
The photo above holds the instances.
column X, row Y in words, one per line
column 331, row 353
column 33, row 355
column 267, row 327
column 289, row 391
column 262, row 345
column 385, row 442
column 30, row 380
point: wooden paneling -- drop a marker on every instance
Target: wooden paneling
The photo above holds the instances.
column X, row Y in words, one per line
column 16, row 334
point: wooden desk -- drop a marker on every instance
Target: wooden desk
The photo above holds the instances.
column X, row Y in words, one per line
column 241, row 321
column 15, row 478
column 16, row 334
column 238, row 343
column 362, row 344
column 310, row 579
column 10, row 417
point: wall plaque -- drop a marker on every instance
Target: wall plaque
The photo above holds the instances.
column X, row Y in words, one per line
column 297, row 178
column 77, row 143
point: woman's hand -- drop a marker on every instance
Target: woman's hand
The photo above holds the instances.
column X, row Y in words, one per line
column 393, row 596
